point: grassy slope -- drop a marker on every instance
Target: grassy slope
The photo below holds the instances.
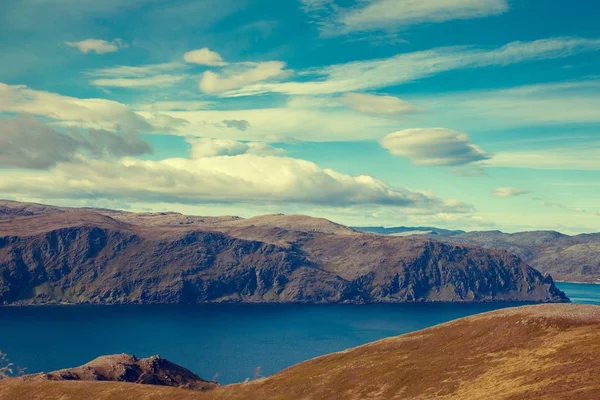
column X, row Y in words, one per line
column 537, row 352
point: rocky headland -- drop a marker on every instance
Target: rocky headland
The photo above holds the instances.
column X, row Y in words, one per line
column 53, row 255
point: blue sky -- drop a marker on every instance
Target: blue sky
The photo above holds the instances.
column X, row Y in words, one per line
column 469, row 114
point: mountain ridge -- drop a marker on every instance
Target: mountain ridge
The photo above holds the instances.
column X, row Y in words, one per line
column 106, row 257
column 574, row 258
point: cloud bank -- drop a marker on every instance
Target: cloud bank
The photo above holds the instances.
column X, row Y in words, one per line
column 241, row 178
column 25, row 142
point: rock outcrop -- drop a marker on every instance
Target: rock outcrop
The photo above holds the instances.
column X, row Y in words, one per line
column 106, row 257
column 154, row 370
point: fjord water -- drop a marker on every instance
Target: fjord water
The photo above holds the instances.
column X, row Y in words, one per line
column 581, row 293
column 228, row 339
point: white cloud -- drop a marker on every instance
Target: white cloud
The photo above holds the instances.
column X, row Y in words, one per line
column 71, row 111
column 393, row 14
column 434, row 146
column 207, row 147
column 407, row 67
column 98, row 46
column 135, row 71
column 241, row 178
column 506, row 192
column 212, row 82
column 189, row 105
column 572, row 158
column 377, row 104
column 300, row 119
column 125, row 76
column 26, row 142
column 204, row 56
column 239, row 124
column 542, row 104
column 166, row 123
column 562, row 206
column 153, row 81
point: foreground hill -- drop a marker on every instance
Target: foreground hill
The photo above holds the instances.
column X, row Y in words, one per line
column 57, row 255
column 533, row 352
column 154, row 370
column 568, row 258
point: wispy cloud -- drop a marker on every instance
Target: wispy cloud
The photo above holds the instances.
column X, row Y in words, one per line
column 183, row 105
column 374, row 15
column 506, row 192
column 407, row 67
column 573, row 158
column 242, row 75
column 530, row 105
column 377, row 104
column 563, row 206
column 153, row 81
column 152, row 75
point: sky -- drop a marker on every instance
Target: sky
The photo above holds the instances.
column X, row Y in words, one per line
column 461, row 114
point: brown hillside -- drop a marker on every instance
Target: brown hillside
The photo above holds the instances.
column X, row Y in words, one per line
column 54, row 255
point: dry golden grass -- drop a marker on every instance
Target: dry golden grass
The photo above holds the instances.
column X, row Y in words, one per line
column 536, row 352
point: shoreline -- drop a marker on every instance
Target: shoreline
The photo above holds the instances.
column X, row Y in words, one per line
column 578, row 283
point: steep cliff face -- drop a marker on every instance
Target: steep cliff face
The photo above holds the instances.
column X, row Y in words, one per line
column 83, row 256
column 570, row 258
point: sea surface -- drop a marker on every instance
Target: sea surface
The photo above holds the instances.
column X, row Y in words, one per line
column 229, row 340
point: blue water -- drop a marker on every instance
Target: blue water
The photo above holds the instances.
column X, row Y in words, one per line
column 231, row 340
column 581, row 293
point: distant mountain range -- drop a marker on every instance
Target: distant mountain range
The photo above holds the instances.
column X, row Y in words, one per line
column 569, row 258
column 407, row 230
column 54, row 255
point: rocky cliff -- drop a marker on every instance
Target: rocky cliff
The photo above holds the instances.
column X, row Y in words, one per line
column 569, row 258
column 52, row 255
